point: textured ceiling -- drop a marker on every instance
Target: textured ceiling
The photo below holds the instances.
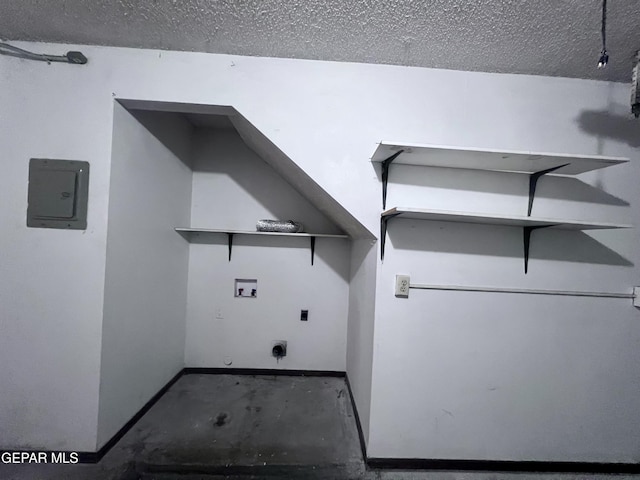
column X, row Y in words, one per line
column 542, row 37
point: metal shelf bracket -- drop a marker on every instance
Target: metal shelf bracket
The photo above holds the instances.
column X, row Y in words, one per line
column 526, row 231
column 313, row 248
column 383, row 232
column 385, row 176
column 230, row 243
column 533, row 182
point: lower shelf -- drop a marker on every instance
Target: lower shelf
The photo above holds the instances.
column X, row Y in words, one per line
column 528, row 224
column 507, row 220
column 191, row 234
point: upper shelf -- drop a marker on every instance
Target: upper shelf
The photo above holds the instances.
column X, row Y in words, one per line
column 493, row 219
column 190, row 233
column 482, row 159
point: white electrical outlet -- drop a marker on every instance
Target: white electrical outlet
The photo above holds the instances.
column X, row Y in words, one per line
column 402, row 286
column 219, row 315
column 636, row 296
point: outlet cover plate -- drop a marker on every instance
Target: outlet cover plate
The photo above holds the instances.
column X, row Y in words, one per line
column 402, row 286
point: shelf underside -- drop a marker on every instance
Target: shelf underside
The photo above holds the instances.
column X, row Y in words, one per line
column 479, row 159
column 504, row 220
column 207, row 235
column 191, row 233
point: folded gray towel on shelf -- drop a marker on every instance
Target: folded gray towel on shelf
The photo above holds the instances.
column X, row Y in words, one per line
column 281, row 226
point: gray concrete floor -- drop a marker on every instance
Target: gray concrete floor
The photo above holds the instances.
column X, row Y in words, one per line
column 248, row 427
column 208, row 421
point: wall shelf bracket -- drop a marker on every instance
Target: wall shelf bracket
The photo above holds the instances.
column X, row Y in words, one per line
column 385, row 176
column 527, row 240
column 230, row 242
column 383, row 232
column 313, row 248
column 533, row 182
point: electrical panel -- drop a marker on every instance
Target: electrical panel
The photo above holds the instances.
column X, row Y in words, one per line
column 58, row 194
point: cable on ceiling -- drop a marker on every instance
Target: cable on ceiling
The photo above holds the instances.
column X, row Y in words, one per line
column 604, row 55
column 76, row 58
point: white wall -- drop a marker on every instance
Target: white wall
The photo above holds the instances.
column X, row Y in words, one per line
column 146, row 272
column 51, row 281
column 328, row 117
column 481, row 376
column 501, row 376
column 362, row 290
column 233, row 188
column 504, row 376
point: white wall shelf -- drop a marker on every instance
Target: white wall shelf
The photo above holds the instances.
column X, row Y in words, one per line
column 528, row 224
column 492, row 219
column 532, row 163
column 498, row 160
column 191, row 234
